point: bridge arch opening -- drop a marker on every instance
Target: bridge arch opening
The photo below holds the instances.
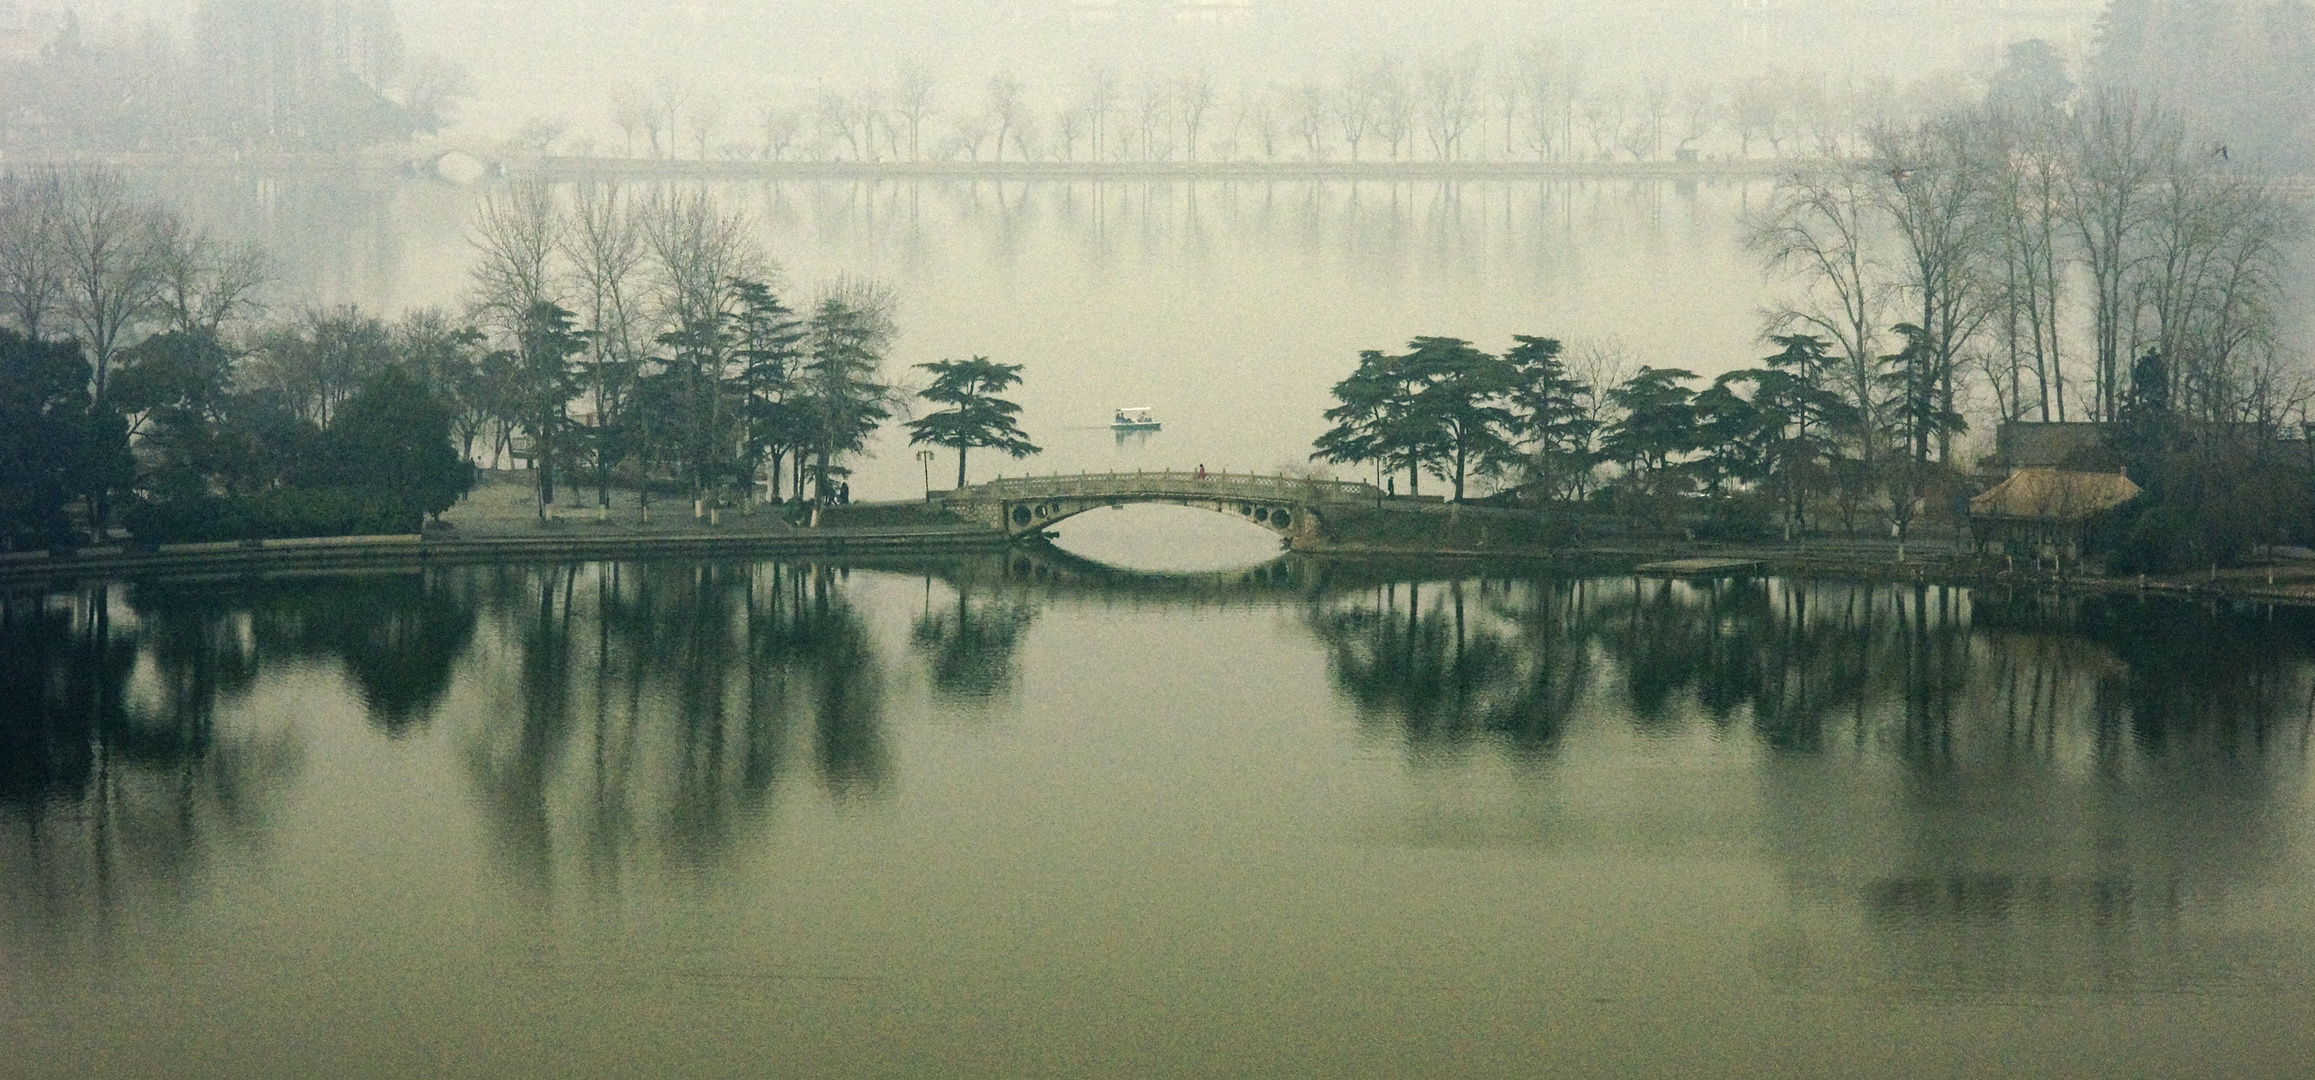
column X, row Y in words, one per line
column 1165, row 538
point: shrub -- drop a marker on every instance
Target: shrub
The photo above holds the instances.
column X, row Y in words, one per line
column 282, row 513
column 196, row 519
column 275, row 514
column 1746, row 517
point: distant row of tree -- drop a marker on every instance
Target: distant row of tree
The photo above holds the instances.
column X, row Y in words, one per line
column 135, row 386
column 1538, row 102
column 182, row 450
column 257, row 75
column 2244, row 69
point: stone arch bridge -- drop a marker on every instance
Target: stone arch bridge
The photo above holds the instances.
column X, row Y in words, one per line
column 1290, row 506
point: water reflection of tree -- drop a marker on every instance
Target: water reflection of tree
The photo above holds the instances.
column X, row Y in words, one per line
column 2196, row 674
column 1510, row 667
column 1791, row 658
column 970, row 648
column 1966, row 792
column 1468, row 230
column 1931, row 673
column 116, row 786
column 650, row 710
column 397, row 637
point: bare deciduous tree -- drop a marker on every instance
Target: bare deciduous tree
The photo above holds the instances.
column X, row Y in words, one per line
column 2117, row 147
column 1819, row 231
column 1699, row 105
column 780, row 125
column 1354, row 107
column 31, row 274
column 1005, row 108
column 1934, row 197
column 912, row 103
column 1312, row 109
column 661, row 112
column 1545, row 91
column 1194, row 94
column 1656, row 101
column 1450, row 102
column 705, row 115
column 630, row 113
column 1603, row 112
column 204, row 284
column 1100, row 98
column 2207, row 289
column 1394, row 106
column 1155, row 113
column 1598, row 367
column 2023, row 156
column 698, row 253
column 109, row 263
column 1258, row 112
column 518, row 230
column 604, row 249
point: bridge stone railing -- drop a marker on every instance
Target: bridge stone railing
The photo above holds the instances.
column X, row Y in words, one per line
column 1173, row 483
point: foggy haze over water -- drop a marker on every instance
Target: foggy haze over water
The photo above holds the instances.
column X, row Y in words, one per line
column 541, row 58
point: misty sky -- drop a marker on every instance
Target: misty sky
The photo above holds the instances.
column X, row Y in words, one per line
column 564, row 58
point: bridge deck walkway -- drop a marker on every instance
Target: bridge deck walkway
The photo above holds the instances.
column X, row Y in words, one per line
column 1171, row 483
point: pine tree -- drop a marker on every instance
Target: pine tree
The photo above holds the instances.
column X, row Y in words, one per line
column 976, row 416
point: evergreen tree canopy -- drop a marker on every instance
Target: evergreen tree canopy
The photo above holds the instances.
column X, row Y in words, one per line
column 393, row 438
column 1554, row 426
column 1659, row 420
column 54, row 445
column 545, row 380
column 1445, row 407
column 1375, row 420
column 975, row 416
column 844, row 401
column 769, row 345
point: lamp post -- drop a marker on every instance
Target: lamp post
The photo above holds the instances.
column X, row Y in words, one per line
column 924, row 457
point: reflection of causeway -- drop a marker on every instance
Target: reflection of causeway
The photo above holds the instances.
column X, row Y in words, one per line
column 1047, row 572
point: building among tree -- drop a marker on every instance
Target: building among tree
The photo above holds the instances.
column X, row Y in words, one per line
column 2046, row 513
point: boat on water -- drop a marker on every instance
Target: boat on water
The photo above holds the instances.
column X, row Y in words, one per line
column 1133, row 419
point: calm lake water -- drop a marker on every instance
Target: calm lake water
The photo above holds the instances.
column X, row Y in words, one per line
column 1030, row 816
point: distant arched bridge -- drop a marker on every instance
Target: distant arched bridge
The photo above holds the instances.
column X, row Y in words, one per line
column 1288, row 505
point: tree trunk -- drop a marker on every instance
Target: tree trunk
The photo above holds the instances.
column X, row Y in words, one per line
column 543, row 452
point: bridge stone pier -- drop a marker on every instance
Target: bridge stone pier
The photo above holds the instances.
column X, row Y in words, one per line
column 1292, row 507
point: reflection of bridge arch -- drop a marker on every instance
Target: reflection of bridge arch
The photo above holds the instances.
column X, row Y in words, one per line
column 1047, row 571
column 1289, row 506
